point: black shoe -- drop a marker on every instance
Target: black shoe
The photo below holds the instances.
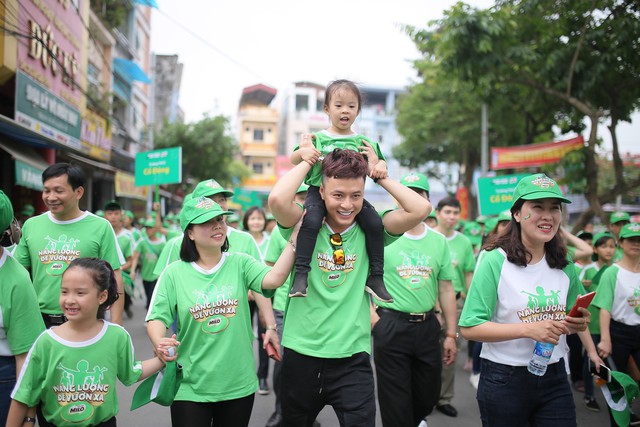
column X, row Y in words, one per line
column 299, row 287
column 591, row 403
column 274, row 420
column 375, row 286
column 263, row 387
column 634, row 420
column 448, row 410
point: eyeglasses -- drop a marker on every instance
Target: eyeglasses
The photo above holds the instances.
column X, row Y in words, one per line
column 338, row 253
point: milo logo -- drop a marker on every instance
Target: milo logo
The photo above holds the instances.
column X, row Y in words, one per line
column 56, row 268
column 333, row 279
column 215, row 325
column 77, row 412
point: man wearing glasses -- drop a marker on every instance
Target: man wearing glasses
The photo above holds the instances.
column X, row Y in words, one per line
column 328, row 334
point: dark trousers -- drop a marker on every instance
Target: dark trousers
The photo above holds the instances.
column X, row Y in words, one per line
column 625, row 343
column 368, row 219
column 42, row 422
column 309, row 383
column 149, row 286
column 408, row 365
column 575, row 358
column 263, row 358
column 277, row 366
column 511, row 396
column 228, row 413
column 7, row 382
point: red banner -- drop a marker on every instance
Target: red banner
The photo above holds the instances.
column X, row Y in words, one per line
column 524, row 156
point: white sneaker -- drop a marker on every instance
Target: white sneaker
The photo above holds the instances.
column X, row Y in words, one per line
column 474, row 379
column 423, row 423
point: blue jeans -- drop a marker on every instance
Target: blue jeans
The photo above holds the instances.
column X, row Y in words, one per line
column 7, row 382
column 511, row 396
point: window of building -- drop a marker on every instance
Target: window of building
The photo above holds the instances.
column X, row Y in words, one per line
column 257, row 168
column 302, row 102
column 258, row 135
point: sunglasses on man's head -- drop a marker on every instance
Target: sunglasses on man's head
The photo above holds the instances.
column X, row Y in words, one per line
column 338, row 253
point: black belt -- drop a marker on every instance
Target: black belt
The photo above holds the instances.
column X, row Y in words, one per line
column 410, row 317
column 53, row 319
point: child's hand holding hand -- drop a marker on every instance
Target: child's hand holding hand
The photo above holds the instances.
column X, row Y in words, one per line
column 307, row 149
column 167, row 349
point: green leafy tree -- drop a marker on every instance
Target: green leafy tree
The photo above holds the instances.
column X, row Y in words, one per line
column 553, row 47
column 207, row 151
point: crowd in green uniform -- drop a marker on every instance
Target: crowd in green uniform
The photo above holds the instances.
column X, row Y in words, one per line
column 328, row 304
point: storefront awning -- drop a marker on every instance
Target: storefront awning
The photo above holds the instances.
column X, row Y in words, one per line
column 94, row 163
column 130, row 71
column 28, row 165
column 150, row 3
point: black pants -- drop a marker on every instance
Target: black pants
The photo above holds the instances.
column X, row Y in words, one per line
column 42, row 422
column 228, row 413
column 263, row 358
column 408, row 363
column 309, row 383
column 368, row 219
column 149, row 286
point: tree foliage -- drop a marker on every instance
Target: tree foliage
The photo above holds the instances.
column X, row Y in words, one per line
column 580, row 58
column 207, row 150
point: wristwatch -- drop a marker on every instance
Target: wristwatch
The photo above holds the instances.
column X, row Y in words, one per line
column 452, row 335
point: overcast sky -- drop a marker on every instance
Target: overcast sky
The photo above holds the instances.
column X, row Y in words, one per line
column 227, row 46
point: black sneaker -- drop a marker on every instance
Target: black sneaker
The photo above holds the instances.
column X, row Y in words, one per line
column 375, row 286
column 591, row 403
column 299, row 286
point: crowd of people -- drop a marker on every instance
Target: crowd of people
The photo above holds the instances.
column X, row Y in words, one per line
column 337, row 289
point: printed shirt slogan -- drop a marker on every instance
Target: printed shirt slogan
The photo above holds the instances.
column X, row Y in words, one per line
column 58, row 253
column 80, row 389
column 542, row 306
column 214, row 307
column 415, row 269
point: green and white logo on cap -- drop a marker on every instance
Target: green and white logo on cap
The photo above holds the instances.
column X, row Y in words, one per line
column 210, row 187
column 619, row 216
column 619, row 394
column 415, row 180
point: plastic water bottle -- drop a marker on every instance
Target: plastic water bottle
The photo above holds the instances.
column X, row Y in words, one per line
column 540, row 358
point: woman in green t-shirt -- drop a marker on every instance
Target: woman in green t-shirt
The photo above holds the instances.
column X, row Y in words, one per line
column 207, row 292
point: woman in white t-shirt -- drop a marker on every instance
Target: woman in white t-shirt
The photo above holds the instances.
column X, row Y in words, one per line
column 521, row 292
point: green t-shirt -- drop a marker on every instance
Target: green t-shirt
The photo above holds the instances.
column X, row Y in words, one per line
column 333, row 321
column 75, row 382
column 20, row 320
column 505, row 293
column 592, row 272
column 326, row 142
column 277, row 244
column 48, row 246
column 214, row 325
column 462, row 258
column 126, row 243
column 617, row 256
column 413, row 264
column 149, row 252
column 619, row 294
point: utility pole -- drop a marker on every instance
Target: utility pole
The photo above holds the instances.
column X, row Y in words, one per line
column 484, row 142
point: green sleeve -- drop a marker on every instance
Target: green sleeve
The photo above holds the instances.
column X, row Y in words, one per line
column 254, row 272
column 482, row 298
column 605, row 293
column 276, row 245
column 446, row 272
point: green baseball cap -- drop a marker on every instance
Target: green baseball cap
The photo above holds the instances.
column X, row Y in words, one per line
column 474, row 232
column 100, row 213
column 490, row 224
column 6, row 211
column 129, row 214
column 270, row 217
column 199, row 210
column 112, row 205
column 233, row 218
column 415, row 180
column 432, row 214
column 504, row 216
column 630, row 230
column 208, row 188
column 303, row 187
column 619, row 393
column 482, row 219
column 619, row 216
column 28, row 210
column 538, row 186
column 599, row 236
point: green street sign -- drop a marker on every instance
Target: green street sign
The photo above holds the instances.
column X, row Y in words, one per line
column 159, row 167
column 495, row 194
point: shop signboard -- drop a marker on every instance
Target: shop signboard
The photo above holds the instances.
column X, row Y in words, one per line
column 28, row 176
column 96, row 136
